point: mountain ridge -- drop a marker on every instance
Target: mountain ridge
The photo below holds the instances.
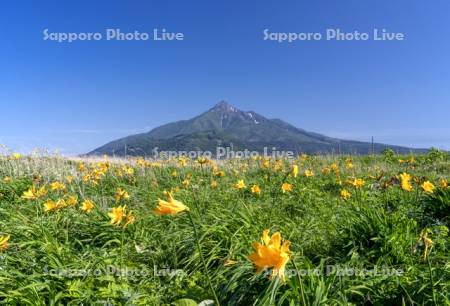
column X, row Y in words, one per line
column 225, row 125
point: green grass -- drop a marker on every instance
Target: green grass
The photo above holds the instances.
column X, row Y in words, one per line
column 70, row 257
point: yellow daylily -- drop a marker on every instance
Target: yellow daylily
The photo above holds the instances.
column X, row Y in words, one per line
column 170, row 207
column 357, row 182
column 405, row 179
column 345, row 194
column 50, row 205
column 308, row 173
column 428, row 187
column 240, row 184
column 219, row 173
column 203, row 160
column 265, row 163
column 87, row 205
column 129, row 219
column 72, row 200
column 121, row 194
column 349, row 164
column 4, row 244
column 294, row 171
column 33, row 194
column 57, row 186
column 16, row 156
column 117, row 214
column 286, row 187
column 256, row 189
column 271, row 253
column 30, row 194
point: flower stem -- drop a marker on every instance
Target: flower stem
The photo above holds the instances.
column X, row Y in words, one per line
column 300, row 282
column 205, row 268
column 431, row 280
column 121, row 250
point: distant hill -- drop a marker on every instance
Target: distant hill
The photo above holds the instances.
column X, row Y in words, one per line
column 226, row 126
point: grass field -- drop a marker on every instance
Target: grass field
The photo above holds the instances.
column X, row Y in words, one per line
column 367, row 230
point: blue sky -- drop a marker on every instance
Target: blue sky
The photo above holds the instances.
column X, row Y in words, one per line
column 77, row 96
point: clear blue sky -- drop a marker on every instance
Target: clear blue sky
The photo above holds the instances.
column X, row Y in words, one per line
column 77, row 96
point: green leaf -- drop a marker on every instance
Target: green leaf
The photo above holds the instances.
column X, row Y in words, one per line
column 185, row 302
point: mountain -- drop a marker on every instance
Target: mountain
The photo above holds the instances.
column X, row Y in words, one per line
column 226, row 126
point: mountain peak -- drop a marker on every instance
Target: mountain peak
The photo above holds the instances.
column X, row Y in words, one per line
column 226, row 126
column 225, row 107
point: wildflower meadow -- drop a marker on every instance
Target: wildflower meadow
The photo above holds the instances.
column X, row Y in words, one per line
column 313, row 230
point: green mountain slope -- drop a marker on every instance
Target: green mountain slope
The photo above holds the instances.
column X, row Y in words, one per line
column 226, row 126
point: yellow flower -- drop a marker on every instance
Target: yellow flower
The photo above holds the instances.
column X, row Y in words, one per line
column 155, row 164
column 357, row 183
column 86, row 178
column 349, row 164
column 185, row 183
column 33, row 194
column 278, row 165
column 57, row 186
column 214, row 184
column 4, row 244
column 30, row 194
column 61, row 203
column 345, row 195
column 270, row 253
column 240, row 184
column 69, row 179
column 334, row 167
column 117, row 214
column 129, row 219
column 140, row 161
column 255, row 189
column 87, row 206
column 294, row 171
column 182, row 161
column 309, row 173
column 428, row 187
column 42, row 192
column 81, row 167
column 7, row 180
column 443, row 183
column 72, row 200
column 203, row 160
column 16, row 156
column 174, row 173
column 128, row 170
column 406, row 181
column 219, row 173
column 121, row 194
column 286, row 187
column 169, row 207
column 50, row 205
column 265, row 163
